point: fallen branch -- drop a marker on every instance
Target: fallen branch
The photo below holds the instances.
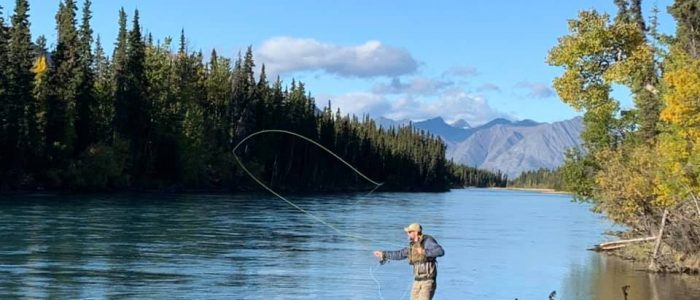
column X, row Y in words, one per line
column 608, row 246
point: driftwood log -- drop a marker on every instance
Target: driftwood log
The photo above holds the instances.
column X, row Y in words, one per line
column 608, row 246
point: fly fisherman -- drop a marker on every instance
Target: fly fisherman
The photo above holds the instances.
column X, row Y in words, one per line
column 422, row 253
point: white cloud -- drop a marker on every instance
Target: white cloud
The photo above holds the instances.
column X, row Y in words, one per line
column 536, row 90
column 417, row 86
column 452, row 105
column 288, row 54
column 458, row 104
column 407, row 108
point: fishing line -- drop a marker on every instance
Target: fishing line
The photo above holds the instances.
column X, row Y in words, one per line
column 379, row 285
column 292, row 204
column 310, row 141
column 331, row 226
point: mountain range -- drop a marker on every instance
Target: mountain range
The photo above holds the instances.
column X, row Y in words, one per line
column 503, row 145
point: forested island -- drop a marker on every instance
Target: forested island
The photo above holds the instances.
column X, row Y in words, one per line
column 147, row 117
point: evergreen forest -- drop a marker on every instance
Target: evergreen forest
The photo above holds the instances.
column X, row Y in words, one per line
column 156, row 115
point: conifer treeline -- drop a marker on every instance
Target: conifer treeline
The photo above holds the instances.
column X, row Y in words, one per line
column 149, row 117
column 463, row 176
column 542, row 178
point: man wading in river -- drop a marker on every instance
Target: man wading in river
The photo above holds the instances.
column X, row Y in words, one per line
column 422, row 252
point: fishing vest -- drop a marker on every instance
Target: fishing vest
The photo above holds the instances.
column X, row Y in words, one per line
column 423, row 267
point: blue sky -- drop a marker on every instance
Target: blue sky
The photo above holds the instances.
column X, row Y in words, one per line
column 472, row 60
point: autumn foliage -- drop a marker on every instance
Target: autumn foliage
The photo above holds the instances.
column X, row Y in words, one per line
column 644, row 160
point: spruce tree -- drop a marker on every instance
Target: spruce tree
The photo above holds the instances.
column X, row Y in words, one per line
column 60, row 131
column 137, row 103
column 687, row 16
column 42, row 90
column 636, row 14
column 261, row 98
column 219, row 95
column 85, row 100
column 643, row 78
column 119, row 62
column 198, row 153
column 166, row 112
column 242, row 98
column 20, row 109
column 104, row 87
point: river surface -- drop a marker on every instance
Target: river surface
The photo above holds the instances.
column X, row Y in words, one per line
column 499, row 245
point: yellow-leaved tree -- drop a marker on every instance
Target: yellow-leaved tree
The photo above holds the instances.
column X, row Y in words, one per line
column 597, row 54
column 679, row 143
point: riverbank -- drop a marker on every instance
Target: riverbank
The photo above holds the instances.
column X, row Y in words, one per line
column 537, row 190
column 668, row 260
column 641, row 252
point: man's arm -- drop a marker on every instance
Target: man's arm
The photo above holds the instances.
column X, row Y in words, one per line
column 432, row 248
column 392, row 255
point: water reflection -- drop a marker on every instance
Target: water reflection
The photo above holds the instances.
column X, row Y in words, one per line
column 605, row 276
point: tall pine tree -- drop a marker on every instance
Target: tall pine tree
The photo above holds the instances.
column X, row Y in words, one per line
column 42, row 89
column 61, row 114
column 218, row 93
column 119, row 64
column 20, row 109
column 639, row 70
column 243, row 101
column 85, row 124
column 166, row 111
column 687, row 15
column 137, row 103
column 103, row 113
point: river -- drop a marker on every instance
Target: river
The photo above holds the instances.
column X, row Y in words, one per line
column 499, row 244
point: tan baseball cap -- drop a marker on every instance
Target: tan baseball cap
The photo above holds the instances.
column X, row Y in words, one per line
column 414, row 227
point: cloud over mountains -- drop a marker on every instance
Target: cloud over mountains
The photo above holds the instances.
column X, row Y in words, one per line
column 453, row 104
column 289, row 54
column 396, row 88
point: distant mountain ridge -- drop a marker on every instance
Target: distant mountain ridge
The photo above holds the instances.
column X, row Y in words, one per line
column 387, row 123
column 509, row 146
column 438, row 126
column 461, row 123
